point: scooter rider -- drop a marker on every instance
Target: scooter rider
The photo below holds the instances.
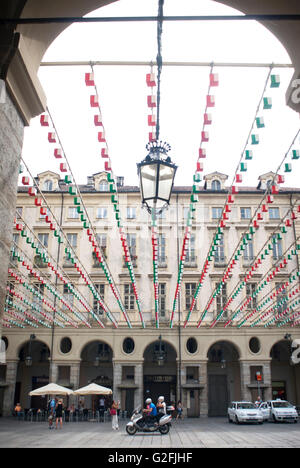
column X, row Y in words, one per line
column 150, row 412
column 161, row 407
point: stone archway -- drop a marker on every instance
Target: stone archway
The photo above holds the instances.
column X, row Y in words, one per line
column 96, row 366
column 285, row 376
column 31, row 376
column 223, row 377
column 160, row 375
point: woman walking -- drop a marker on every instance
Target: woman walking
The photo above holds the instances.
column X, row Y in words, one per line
column 114, row 415
column 58, row 413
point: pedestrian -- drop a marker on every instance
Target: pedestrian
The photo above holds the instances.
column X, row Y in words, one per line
column 114, row 415
column 179, row 409
column 101, row 407
column 258, row 402
column 18, row 411
column 58, row 413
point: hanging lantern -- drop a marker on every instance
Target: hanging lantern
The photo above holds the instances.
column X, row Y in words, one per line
column 156, row 177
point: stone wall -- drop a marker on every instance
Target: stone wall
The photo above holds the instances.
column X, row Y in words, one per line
column 11, row 139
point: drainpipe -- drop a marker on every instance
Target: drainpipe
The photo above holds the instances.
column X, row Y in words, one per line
column 56, row 279
column 179, row 304
column 298, row 268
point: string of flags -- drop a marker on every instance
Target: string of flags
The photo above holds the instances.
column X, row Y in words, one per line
column 197, row 178
column 113, row 189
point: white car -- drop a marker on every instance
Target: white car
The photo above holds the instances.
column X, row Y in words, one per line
column 278, row 410
column 244, row 411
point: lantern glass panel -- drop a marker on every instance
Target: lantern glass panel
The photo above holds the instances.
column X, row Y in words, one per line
column 166, row 175
column 148, row 180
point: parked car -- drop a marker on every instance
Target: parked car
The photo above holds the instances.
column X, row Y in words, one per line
column 244, row 411
column 278, row 410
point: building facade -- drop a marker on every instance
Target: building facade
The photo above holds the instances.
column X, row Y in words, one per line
column 203, row 360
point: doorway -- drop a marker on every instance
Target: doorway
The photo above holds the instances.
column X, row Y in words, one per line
column 218, row 395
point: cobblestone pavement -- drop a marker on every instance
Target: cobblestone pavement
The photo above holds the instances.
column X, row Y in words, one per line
column 189, row 433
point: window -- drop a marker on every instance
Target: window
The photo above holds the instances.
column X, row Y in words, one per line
column 96, row 305
column 217, row 212
column 72, row 239
column 216, row 185
column 131, row 241
column 186, row 210
column 274, row 213
column 277, row 248
column 39, row 289
column 190, row 290
column 131, row 212
column 103, row 186
column 47, row 214
column 10, row 296
column 245, row 213
column 161, row 248
column 68, row 296
column 48, row 185
column 73, row 213
column 14, row 246
column 44, row 239
column 129, row 297
column 65, row 345
column 128, row 345
column 190, row 253
column 192, row 345
column 102, row 241
column 281, row 298
column 221, row 298
column 101, row 212
column 249, row 252
column 250, row 288
column 219, row 253
column 19, row 211
column 162, row 299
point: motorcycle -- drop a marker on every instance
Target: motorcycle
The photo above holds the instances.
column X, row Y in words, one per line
column 138, row 423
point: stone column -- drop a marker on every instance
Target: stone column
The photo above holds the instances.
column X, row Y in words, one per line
column 9, row 392
column 138, row 380
column 117, row 379
column 267, row 380
column 53, row 372
column 11, row 139
column 74, row 379
column 245, row 381
column 204, row 389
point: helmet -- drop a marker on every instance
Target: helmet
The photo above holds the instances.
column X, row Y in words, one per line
column 148, row 401
column 161, row 398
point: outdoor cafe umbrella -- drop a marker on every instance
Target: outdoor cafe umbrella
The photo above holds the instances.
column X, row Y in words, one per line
column 51, row 389
column 93, row 389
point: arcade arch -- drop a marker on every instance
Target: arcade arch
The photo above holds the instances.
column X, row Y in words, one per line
column 223, row 377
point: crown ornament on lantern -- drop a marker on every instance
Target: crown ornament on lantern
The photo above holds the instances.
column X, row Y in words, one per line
column 156, row 148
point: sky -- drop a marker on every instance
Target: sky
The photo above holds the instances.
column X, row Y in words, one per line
column 123, row 94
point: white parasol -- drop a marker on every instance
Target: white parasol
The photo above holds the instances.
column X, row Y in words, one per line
column 51, row 389
column 93, row 389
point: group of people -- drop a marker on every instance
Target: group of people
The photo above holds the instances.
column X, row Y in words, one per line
column 55, row 409
column 152, row 412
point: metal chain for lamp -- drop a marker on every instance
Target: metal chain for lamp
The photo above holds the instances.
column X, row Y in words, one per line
column 159, row 60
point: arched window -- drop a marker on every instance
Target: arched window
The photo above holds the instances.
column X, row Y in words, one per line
column 48, row 185
column 103, row 186
column 216, row 185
